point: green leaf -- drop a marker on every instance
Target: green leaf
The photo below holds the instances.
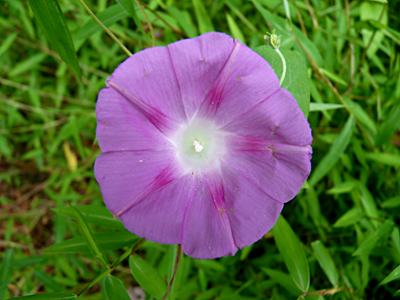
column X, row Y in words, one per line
column 147, row 277
column 292, row 252
column 47, row 280
column 296, row 78
column 5, row 272
column 6, row 44
column 114, row 289
column 47, row 296
column 392, row 276
column 326, row 262
column 324, row 106
column 350, row 217
column 94, row 214
column 283, row 279
column 392, row 202
column 384, row 158
column 203, row 17
column 184, row 20
column 234, row 29
column 108, row 17
column 281, row 27
column 49, row 15
column 333, row 77
column 341, row 188
column 380, row 235
column 131, row 7
column 388, row 127
column 109, row 240
column 360, row 114
column 338, row 147
column 27, row 65
column 90, row 240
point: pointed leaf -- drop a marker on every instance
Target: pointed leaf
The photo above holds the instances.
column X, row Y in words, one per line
column 326, row 262
column 47, row 280
column 293, row 253
column 108, row 17
column 373, row 238
column 350, row 217
column 296, row 78
column 109, row 240
column 203, row 17
column 94, row 214
column 5, row 272
column 50, row 17
column 115, row 289
column 392, row 276
column 90, row 240
column 47, row 296
column 338, row 147
column 324, row 106
column 147, row 277
column 235, row 29
column 285, row 280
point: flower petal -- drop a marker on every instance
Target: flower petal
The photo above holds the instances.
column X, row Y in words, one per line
column 147, row 79
column 159, row 216
column 251, row 212
column 246, row 80
column 120, row 126
column 277, row 119
column 197, row 63
column 126, row 178
column 279, row 170
column 207, row 231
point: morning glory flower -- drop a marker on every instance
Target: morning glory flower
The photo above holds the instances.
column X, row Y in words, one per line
column 200, row 145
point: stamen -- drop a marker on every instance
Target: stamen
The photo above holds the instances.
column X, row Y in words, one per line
column 197, row 146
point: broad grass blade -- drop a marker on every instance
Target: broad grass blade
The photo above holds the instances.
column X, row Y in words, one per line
column 91, row 242
column 337, row 149
column 147, row 277
column 50, row 17
column 293, row 253
column 326, row 262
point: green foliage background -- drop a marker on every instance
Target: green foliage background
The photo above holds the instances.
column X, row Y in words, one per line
column 341, row 236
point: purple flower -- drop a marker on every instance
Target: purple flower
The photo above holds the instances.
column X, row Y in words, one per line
column 201, row 147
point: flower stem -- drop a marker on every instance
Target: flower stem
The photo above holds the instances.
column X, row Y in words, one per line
column 178, row 259
column 283, row 66
column 105, row 28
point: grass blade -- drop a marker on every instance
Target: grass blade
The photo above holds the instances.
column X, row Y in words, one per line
column 91, row 242
column 338, row 147
column 109, row 240
column 326, row 262
column 50, row 17
column 47, row 296
column 293, row 253
column 203, row 19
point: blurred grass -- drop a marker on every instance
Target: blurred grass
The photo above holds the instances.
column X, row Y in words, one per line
column 48, row 145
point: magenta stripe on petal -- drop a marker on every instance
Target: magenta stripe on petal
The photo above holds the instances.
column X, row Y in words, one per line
column 197, row 63
column 159, row 216
column 206, row 231
column 148, row 80
column 126, row 178
column 251, row 212
column 121, row 127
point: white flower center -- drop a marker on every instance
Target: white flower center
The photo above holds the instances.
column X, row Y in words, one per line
column 199, row 146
